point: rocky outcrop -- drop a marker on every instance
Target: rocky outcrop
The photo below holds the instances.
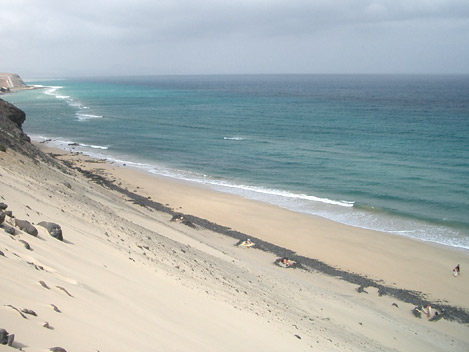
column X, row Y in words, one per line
column 11, row 132
column 6, row 338
column 13, row 137
column 12, row 113
column 26, row 226
column 53, row 229
column 11, row 82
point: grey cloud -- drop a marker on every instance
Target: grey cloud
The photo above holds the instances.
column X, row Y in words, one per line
column 209, row 36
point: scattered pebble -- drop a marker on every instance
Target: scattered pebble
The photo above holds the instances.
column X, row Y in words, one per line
column 43, row 284
column 54, row 307
column 29, row 311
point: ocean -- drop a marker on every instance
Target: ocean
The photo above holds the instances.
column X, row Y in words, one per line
column 382, row 152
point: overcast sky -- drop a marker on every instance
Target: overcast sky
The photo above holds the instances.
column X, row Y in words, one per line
column 61, row 38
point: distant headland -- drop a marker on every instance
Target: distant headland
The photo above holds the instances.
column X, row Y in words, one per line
column 11, row 82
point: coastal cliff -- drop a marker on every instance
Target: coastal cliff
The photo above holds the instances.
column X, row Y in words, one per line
column 13, row 137
column 11, row 82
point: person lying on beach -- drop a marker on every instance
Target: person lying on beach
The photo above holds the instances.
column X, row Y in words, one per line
column 248, row 243
column 180, row 218
column 285, row 263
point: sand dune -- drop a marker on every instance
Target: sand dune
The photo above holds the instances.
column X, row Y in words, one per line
column 126, row 278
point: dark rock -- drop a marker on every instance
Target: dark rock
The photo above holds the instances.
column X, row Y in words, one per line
column 20, row 313
column 29, row 311
column 12, row 136
column 43, row 284
column 63, row 289
column 53, row 229
column 10, row 339
column 3, row 206
column 3, row 336
column 9, row 213
column 8, row 229
column 26, row 226
column 57, row 349
column 26, row 245
column 2, row 217
column 2, row 254
column 6, row 338
column 12, row 113
column 55, row 308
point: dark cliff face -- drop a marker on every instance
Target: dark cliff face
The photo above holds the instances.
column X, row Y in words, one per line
column 12, row 113
column 12, row 135
column 11, row 122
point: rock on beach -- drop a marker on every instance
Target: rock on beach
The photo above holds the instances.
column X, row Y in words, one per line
column 53, row 229
column 26, row 226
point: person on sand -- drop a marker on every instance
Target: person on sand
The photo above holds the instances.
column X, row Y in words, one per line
column 456, row 270
column 247, row 243
column 285, row 262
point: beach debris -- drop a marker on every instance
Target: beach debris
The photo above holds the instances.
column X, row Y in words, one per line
column 57, row 349
column 25, row 225
column 53, row 229
column 63, row 289
column 395, row 305
column 54, row 307
column 43, row 284
column 2, row 254
column 26, row 245
column 298, row 337
column 29, row 311
column 13, row 307
column 247, row 243
column 47, row 326
column 6, row 338
column 457, row 270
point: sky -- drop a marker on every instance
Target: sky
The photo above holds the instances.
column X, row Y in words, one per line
column 59, row 38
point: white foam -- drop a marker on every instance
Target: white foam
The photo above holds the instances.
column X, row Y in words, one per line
column 234, row 138
column 83, row 117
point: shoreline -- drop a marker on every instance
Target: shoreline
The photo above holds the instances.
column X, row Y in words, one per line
column 426, row 231
column 410, row 270
column 125, row 267
column 123, row 276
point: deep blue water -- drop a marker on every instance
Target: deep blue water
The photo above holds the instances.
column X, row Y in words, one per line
column 385, row 152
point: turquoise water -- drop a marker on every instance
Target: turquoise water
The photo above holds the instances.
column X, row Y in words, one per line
column 390, row 153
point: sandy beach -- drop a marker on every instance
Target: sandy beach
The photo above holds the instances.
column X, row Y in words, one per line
column 126, row 277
